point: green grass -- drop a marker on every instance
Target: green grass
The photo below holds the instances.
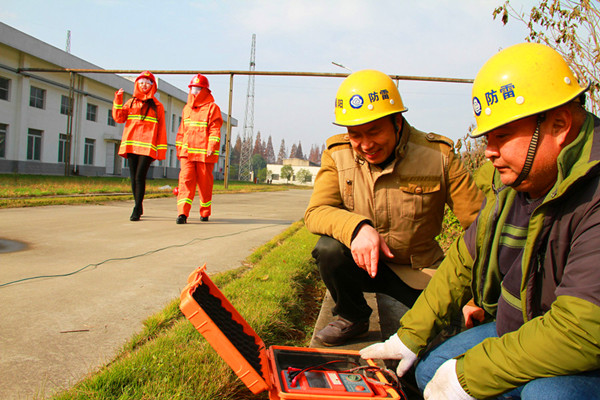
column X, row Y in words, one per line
column 17, row 190
column 278, row 292
column 451, row 230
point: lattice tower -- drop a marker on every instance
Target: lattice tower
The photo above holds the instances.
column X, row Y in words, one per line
column 68, row 46
column 246, row 153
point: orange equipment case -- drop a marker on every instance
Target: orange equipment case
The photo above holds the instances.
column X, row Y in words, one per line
column 260, row 369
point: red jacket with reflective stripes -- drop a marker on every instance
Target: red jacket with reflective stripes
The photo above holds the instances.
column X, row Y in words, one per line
column 145, row 131
column 199, row 135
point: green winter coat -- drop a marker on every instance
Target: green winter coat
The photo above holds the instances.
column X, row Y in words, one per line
column 560, row 289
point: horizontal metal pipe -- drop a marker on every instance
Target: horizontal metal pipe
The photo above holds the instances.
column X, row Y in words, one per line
column 263, row 73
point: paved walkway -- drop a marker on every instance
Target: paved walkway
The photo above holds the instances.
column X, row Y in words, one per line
column 55, row 330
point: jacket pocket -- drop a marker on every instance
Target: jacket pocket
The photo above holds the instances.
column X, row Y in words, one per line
column 418, row 199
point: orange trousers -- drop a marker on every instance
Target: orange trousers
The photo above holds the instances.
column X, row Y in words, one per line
column 194, row 173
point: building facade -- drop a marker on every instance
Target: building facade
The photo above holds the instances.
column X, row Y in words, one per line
column 274, row 172
column 34, row 114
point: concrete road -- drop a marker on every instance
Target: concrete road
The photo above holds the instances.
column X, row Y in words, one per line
column 55, row 330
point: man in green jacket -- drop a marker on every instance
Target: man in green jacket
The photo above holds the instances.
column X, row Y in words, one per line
column 379, row 201
column 530, row 260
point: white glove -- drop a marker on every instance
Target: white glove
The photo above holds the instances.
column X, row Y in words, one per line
column 445, row 385
column 393, row 349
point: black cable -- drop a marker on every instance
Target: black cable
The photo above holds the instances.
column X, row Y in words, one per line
column 135, row 256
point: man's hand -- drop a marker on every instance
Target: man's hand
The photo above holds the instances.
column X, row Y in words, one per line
column 472, row 313
column 445, row 385
column 391, row 349
column 365, row 249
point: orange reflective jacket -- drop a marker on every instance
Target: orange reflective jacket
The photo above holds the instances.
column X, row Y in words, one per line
column 145, row 131
column 199, row 135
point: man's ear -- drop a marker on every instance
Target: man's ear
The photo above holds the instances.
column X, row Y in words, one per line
column 399, row 120
column 562, row 121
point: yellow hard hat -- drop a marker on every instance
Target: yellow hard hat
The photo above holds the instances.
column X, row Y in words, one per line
column 365, row 96
column 519, row 81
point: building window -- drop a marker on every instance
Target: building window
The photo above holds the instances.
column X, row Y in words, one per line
column 179, row 122
column 4, row 88
column 110, row 121
column 173, row 120
column 64, row 105
column 3, row 133
column 34, row 144
column 62, row 147
column 172, row 158
column 92, row 112
column 36, row 97
column 88, row 152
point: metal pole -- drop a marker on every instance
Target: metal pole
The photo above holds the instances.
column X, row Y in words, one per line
column 228, row 135
column 67, row 154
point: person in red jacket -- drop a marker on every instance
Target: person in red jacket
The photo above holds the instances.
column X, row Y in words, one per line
column 144, row 136
column 198, row 142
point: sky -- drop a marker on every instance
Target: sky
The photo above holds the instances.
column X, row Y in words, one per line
column 425, row 38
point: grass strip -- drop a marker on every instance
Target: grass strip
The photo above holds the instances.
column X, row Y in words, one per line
column 277, row 291
column 21, row 190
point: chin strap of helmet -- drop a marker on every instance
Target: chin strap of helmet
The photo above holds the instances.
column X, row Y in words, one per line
column 533, row 145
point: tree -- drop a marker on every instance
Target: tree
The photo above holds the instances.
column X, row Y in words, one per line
column 571, row 28
column 299, row 153
column 261, row 176
column 269, row 152
column 234, row 171
column 257, row 145
column 257, row 162
column 293, row 151
column 315, row 154
column 282, row 155
column 236, row 151
column 473, row 155
column 303, row 175
column 287, row 172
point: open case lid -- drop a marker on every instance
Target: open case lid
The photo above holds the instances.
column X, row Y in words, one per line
column 225, row 329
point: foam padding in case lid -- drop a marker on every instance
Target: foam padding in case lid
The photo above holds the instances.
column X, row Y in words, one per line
column 225, row 329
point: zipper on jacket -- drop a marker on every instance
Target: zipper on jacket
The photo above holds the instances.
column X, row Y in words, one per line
column 489, row 234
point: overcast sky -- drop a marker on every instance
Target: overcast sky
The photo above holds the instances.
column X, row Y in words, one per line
column 439, row 38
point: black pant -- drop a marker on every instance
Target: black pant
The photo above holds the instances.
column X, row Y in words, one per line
column 138, row 169
column 347, row 282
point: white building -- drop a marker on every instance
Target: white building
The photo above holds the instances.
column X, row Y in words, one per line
column 34, row 114
column 296, row 164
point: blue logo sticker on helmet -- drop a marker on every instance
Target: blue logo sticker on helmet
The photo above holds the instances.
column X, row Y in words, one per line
column 356, row 101
column 476, row 106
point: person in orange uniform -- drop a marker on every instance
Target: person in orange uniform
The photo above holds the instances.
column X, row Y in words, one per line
column 198, row 142
column 144, row 136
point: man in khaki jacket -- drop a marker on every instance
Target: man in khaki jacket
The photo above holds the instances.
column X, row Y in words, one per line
column 379, row 201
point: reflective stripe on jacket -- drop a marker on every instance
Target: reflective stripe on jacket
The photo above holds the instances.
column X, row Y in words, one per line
column 200, row 132
column 143, row 135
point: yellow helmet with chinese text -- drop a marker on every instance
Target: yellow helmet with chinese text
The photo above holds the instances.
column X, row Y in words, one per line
column 365, row 96
column 519, row 81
